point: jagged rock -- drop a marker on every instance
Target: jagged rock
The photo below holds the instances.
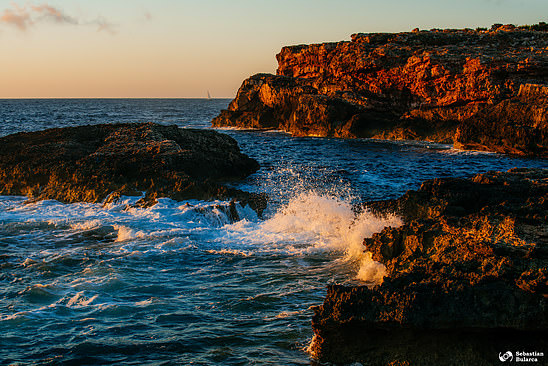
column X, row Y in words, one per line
column 477, row 89
column 101, row 162
column 518, row 125
column 467, row 277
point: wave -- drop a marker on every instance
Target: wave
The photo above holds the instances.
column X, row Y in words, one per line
column 310, row 222
column 314, row 223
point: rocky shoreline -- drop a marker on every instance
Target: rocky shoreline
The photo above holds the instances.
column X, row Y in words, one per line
column 467, row 277
column 99, row 163
column 478, row 89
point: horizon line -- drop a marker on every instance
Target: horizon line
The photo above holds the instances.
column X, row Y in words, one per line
column 26, row 98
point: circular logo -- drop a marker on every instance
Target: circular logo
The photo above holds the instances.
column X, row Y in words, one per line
column 506, row 356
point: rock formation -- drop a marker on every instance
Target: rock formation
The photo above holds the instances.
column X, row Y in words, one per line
column 478, row 89
column 98, row 162
column 466, row 278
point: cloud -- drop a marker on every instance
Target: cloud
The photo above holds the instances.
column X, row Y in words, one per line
column 54, row 14
column 24, row 17
column 19, row 18
column 105, row 26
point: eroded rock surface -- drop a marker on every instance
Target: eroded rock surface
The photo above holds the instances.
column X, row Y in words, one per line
column 467, row 277
column 98, row 162
column 482, row 90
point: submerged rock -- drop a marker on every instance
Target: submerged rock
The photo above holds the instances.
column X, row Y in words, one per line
column 466, row 278
column 479, row 89
column 101, row 162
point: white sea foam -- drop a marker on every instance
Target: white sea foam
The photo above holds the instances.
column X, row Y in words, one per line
column 229, row 252
column 312, row 223
column 285, row 314
column 28, row 262
column 455, row 151
column 80, row 300
column 146, row 302
column 86, row 225
column 125, row 233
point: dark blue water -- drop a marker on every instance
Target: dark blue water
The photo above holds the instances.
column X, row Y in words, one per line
column 179, row 283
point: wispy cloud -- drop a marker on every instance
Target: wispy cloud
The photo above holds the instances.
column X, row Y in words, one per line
column 105, row 26
column 49, row 12
column 17, row 17
column 24, row 17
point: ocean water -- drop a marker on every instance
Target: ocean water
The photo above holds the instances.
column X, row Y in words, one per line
column 180, row 283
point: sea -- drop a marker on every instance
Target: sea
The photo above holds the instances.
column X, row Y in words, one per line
column 181, row 283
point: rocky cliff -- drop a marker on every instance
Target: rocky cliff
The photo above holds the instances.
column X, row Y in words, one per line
column 467, row 278
column 98, row 162
column 478, row 89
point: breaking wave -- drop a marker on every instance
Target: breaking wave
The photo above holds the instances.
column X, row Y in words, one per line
column 308, row 223
column 311, row 223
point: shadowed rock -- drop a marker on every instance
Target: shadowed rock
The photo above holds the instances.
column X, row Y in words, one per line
column 98, row 162
column 467, row 277
column 482, row 90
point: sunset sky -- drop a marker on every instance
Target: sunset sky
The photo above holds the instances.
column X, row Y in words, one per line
column 182, row 48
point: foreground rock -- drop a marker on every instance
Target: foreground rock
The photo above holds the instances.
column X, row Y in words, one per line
column 484, row 90
column 467, row 278
column 98, row 162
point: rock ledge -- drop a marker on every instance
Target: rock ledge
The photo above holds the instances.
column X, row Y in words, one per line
column 478, row 89
column 101, row 162
column 467, row 278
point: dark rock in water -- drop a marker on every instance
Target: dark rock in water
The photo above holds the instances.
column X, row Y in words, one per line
column 467, row 278
column 479, row 89
column 98, row 162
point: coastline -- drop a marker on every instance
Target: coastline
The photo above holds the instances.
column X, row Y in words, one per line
column 310, row 183
column 466, row 277
column 436, row 86
column 298, row 247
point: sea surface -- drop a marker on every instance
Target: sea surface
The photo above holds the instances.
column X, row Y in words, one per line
column 180, row 283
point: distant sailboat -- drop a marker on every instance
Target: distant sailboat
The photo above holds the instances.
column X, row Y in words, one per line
column 209, row 96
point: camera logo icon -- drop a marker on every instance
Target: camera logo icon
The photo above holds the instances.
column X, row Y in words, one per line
column 506, row 356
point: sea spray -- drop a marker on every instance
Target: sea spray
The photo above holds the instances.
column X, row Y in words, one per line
column 192, row 254
column 311, row 223
column 365, row 225
column 287, row 180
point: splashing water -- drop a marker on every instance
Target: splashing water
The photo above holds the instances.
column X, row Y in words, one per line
column 332, row 224
column 311, row 223
column 181, row 282
column 86, row 263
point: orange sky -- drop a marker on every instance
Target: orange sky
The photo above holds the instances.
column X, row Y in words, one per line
column 167, row 48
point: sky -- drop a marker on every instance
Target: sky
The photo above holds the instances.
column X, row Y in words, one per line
column 185, row 48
